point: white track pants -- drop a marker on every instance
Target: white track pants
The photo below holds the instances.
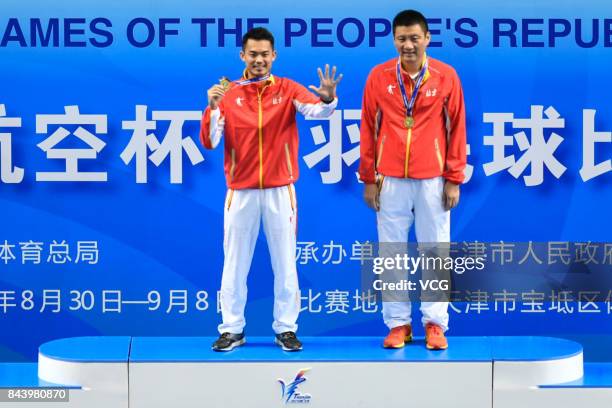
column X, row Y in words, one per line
column 402, row 202
column 244, row 210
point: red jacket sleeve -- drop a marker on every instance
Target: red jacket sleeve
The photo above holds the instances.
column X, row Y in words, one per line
column 310, row 105
column 205, row 127
column 367, row 171
column 303, row 95
column 456, row 146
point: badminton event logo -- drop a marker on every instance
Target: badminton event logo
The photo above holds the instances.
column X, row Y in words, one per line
column 290, row 393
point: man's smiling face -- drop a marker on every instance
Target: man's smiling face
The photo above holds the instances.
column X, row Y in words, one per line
column 258, row 56
column 411, row 43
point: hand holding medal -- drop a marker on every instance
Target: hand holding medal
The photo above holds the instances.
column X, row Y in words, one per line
column 224, row 82
column 217, row 91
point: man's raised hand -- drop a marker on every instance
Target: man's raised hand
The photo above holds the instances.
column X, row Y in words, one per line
column 327, row 88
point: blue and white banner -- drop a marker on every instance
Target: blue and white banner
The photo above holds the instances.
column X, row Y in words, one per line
column 112, row 212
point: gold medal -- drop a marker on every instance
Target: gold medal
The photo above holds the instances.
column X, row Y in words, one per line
column 409, row 122
column 225, row 83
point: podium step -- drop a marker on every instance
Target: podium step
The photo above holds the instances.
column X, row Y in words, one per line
column 331, row 371
column 593, row 390
column 596, row 375
column 499, row 372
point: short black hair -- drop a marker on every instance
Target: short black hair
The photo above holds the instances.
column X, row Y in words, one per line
column 257, row 34
column 408, row 18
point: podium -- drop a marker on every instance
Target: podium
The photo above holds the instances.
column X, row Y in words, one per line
column 183, row 372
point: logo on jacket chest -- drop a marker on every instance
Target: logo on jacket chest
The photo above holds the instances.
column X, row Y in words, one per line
column 276, row 100
column 428, row 92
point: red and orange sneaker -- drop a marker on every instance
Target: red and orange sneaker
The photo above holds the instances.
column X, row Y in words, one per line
column 398, row 337
column 434, row 337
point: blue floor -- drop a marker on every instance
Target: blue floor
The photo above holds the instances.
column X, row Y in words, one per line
column 18, row 375
column 15, row 375
column 258, row 349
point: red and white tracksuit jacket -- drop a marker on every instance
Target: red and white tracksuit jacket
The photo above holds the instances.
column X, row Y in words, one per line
column 435, row 146
column 261, row 137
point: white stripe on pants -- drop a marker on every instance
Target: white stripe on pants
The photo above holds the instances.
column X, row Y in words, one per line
column 244, row 210
column 402, row 202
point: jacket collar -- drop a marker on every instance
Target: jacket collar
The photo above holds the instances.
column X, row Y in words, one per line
column 427, row 73
column 245, row 75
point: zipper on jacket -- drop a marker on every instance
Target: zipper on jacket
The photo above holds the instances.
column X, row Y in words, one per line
column 291, row 197
column 439, row 156
column 230, row 195
column 233, row 167
column 380, row 151
column 260, row 133
column 379, row 182
column 288, row 157
column 408, row 140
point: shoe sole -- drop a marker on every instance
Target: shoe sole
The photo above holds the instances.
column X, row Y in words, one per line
column 407, row 339
column 435, row 348
column 279, row 343
column 232, row 346
column 394, row 346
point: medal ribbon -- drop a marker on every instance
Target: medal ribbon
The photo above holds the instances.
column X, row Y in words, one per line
column 409, row 105
column 253, row 80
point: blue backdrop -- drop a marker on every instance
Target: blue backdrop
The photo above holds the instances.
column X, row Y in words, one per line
column 136, row 248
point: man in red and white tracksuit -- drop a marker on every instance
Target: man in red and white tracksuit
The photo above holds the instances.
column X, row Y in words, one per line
column 413, row 154
column 257, row 116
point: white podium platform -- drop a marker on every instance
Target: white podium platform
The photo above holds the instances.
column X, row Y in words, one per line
column 183, row 372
